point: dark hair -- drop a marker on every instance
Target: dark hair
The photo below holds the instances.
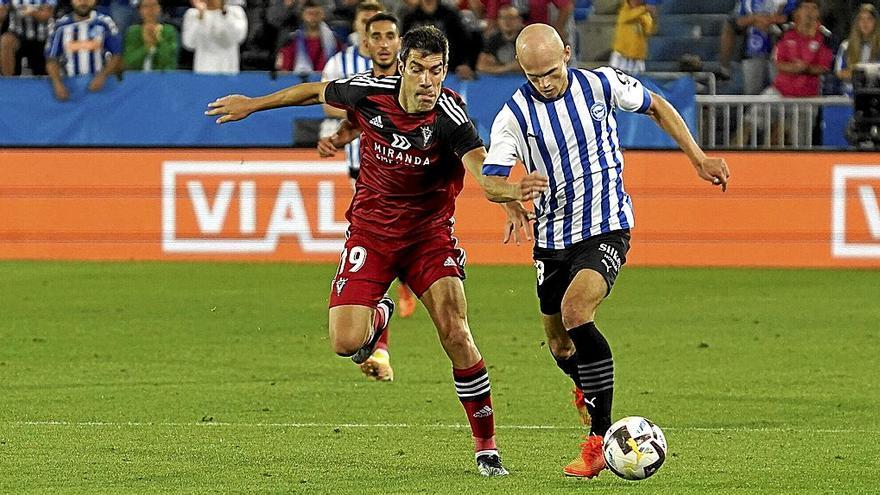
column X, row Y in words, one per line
column 801, row 2
column 368, row 6
column 427, row 39
column 307, row 4
column 383, row 16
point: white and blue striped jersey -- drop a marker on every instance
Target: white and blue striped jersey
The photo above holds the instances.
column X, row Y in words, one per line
column 343, row 64
column 573, row 141
column 81, row 47
column 25, row 26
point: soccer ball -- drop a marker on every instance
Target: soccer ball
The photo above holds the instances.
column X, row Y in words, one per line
column 635, row 448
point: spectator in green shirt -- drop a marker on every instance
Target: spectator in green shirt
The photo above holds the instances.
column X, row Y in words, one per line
column 150, row 45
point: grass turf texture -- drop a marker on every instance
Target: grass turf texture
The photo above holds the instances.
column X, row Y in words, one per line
column 148, row 377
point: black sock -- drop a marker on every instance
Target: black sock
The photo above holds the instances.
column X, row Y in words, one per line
column 596, row 373
column 569, row 366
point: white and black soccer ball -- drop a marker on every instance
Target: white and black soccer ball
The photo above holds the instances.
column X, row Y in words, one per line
column 635, row 448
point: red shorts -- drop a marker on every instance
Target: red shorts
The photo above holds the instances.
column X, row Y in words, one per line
column 369, row 264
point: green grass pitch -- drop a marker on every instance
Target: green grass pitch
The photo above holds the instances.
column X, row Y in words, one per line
column 206, row 378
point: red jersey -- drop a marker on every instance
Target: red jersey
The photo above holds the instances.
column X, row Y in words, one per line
column 411, row 170
column 810, row 49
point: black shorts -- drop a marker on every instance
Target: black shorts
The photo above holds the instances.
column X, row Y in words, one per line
column 605, row 253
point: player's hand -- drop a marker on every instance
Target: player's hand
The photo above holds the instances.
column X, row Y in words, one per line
column 326, row 148
column 518, row 218
column 532, row 185
column 230, row 108
column 715, row 171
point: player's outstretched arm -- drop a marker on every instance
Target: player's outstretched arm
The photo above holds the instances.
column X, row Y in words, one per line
column 497, row 189
column 708, row 168
column 236, row 107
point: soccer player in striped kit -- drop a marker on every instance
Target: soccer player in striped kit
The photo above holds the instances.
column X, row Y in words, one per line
column 416, row 140
column 561, row 123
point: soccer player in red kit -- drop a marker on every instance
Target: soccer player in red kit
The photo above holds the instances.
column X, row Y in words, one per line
column 416, row 136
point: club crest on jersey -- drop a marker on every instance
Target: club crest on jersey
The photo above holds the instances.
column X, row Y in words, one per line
column 340, row 283
column 401, row 142
column 598, row 111
column 426, row 135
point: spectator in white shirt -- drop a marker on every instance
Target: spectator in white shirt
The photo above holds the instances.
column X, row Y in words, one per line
column 214, row 31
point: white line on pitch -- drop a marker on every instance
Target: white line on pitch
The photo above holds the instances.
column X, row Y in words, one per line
column 111, row 424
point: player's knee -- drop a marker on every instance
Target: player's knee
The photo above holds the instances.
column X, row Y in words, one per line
column 346, row 345
column 579, row 309
column 457, row 339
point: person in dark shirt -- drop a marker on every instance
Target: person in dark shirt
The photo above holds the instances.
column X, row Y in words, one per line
column 462, row 57
column 499, row 51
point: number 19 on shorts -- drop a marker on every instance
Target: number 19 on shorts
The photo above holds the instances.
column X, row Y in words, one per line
column 355, row 257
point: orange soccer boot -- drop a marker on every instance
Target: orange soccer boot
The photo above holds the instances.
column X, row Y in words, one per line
column 591, row 462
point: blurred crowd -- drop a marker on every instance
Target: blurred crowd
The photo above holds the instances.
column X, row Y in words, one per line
column 786, row 47
column 799, row 48
column 99, row 38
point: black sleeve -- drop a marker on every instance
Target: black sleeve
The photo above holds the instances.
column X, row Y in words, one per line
column 465, row 138
column 458, row 128
column 345, row 93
